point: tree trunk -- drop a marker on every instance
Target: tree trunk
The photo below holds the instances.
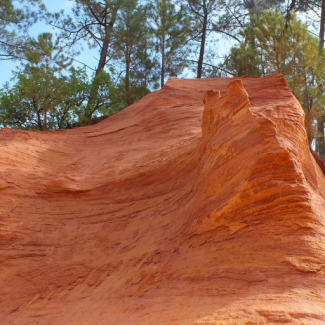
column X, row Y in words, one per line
column 101, row 63
column 320, row 139
column 290, row 9
column 277, row 60
column 39, row 120
column 202, row 48
column 103, row 53
column 322, row 27
column 100, row 67
column 320, row 143
column 127, row 80
column 162, row 74
column 45, row 120
column 46, row 105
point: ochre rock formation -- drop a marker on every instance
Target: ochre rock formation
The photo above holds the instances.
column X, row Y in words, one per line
column 170, row 212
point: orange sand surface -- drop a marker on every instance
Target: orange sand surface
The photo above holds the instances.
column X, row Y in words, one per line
column 200, row 204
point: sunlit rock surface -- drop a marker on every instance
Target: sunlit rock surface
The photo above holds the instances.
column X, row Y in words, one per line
column 200, row 204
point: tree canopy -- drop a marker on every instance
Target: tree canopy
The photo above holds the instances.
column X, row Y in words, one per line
column 140, row 44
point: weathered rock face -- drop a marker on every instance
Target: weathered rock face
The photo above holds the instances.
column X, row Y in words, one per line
column 149, row 218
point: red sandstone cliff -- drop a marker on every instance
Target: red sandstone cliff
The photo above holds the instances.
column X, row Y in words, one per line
column 159, row 216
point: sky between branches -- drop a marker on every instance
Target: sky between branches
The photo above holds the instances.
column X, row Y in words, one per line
column 89, row 57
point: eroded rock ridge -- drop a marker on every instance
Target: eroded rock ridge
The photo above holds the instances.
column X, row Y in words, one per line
column 200, row 204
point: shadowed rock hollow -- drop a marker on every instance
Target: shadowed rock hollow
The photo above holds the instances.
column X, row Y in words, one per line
column 158, row 215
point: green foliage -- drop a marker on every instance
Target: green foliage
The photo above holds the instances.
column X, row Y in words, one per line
column 289, row 49
column 202, row 17
column 142, row 43
column 130, row 49
column 106, row 101
column 22, row 105
column 48, row 95
column 169, row 27
column 14, row 24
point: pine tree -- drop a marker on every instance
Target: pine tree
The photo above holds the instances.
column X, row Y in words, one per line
column 14, row 24
column 286, row 48
column 34, row 95
column 92, row 21
column 200, row 14
column 170, row 27
column 45, row 59
column 130, row 48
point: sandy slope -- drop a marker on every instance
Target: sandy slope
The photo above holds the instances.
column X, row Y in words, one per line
column 149, row 218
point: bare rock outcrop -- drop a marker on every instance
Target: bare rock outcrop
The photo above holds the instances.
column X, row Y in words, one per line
column 173, row 211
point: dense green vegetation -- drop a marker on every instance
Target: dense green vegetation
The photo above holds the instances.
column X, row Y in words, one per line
column 140, row 44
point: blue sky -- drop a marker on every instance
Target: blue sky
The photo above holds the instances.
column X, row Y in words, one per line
column 87, row 56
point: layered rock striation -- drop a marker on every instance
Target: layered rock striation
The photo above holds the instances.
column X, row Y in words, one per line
column 200, row 204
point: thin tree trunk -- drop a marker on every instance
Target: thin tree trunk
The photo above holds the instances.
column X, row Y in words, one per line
column 162, row 74
column 322, row 27
column 294, row 75
column 202, row 48
column 39, row 120
column 320, row 139
column 127, row 81
column 320, row 143
column 145, row 66
column 101, row 63
column 108, row 34
column 45, row 120
column 100, row 67
column 46, row 105
column 277, row 60
column 103, row 53
column 290, row 8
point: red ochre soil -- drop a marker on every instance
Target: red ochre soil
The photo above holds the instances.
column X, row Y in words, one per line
column 159, row 216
